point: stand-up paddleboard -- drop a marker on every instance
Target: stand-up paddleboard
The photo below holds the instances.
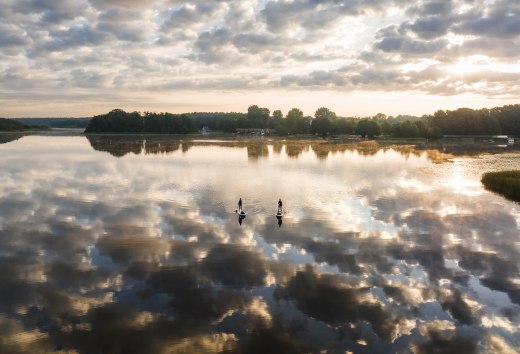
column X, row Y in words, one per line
column 279, row 214
column 242, row 214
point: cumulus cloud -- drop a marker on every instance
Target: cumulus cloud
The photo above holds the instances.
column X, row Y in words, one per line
column 11, row 36
column 316, row 15
column 500, row 21
column 75, row 36
column 191, row 15
column 430, row 8
column 127, row 4
column 430, row 27
column 154, row 45
column 52, row 11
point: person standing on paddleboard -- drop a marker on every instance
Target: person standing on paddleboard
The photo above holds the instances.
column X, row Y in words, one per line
column 240, row 204
column 280, row 205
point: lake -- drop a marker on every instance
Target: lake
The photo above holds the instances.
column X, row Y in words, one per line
column 130, row 244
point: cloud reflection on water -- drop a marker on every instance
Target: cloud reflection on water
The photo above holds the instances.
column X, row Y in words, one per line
column 144, row 253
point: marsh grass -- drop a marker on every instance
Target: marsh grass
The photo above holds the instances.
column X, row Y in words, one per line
column 506, row 183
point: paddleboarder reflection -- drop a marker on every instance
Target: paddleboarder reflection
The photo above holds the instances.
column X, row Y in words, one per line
column 279, row 221
column 240, row 218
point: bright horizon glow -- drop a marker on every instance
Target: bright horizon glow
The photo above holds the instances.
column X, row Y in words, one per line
column 352, row 104
column 79, row 58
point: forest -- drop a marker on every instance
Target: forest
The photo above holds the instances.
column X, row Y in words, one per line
column 463, row 121
column 74, row 123
column 13, row 125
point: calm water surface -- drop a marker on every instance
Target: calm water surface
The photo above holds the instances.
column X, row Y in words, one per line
column 133, row 245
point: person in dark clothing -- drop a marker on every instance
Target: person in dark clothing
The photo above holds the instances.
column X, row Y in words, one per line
column 280, row 204
column 240, row 204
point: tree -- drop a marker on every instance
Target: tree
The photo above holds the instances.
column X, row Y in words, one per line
column 508, row 118
column 292, row 119
column 421, row 128
column 277, row 115
column 368, row 127
column 379, row 116
column 324, row 113
column 342, row 126
column 406, row 130
column 322, row 122
column 258, row 117
column 11, row 125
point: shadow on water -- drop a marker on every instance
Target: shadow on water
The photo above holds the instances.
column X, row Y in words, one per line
column 153, row 262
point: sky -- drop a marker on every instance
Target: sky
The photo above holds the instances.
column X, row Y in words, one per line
column 78, row 58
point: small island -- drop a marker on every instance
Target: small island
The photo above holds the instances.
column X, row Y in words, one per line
column 505, row 183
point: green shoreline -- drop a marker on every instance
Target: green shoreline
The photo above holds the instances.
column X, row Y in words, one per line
column 505, row 183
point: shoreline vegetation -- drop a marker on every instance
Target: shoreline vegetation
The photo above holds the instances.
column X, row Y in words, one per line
column 11, row 125
column 462, row 122
column 505, row 183
column 41, row 124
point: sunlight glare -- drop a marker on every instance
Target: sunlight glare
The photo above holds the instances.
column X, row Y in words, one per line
column 471, row 64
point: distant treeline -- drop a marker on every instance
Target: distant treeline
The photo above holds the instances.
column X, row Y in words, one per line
column 56, row 122
column 119, row 121
column 11, row 125
column 462, row 121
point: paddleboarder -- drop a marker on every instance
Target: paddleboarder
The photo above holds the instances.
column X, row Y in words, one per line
column 240, row 205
